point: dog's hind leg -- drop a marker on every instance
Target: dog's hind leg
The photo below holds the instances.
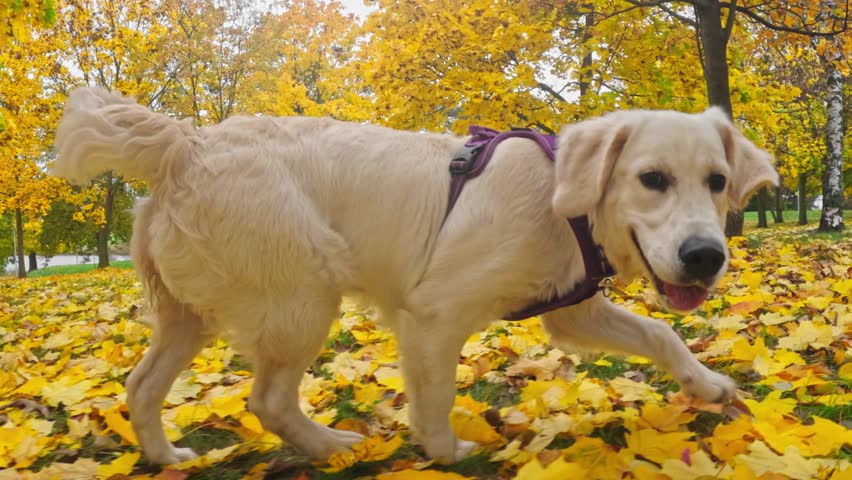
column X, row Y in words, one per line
column 177, row 337
column 292, row 337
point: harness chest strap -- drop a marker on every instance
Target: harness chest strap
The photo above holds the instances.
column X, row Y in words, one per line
column 472, row 160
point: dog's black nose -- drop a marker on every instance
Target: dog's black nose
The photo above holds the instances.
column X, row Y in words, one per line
column 702, row 257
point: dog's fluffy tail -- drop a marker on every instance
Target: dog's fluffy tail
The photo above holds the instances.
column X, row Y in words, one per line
column 102, row 131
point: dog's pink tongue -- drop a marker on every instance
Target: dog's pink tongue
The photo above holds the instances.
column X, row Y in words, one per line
column 685, row 298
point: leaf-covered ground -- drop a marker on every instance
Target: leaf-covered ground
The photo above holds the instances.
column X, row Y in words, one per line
column 780, row 324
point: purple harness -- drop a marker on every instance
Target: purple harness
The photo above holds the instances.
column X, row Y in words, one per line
column 471, row 161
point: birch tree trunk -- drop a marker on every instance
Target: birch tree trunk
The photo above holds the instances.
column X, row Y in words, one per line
column 831, row 219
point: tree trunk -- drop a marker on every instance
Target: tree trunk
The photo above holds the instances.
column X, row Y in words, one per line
column 103, row 232
column 831, row 219
column 779, row 202
column 586, row 65
column 714, row 42
column 803, row 198
column 762, row 205
column 19, row 243
column 33, row 262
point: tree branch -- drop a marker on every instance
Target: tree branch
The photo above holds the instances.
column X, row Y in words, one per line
column 678, row 16
column 551, row 91
column 747, row 11
column 729, row 23
column 654, row 3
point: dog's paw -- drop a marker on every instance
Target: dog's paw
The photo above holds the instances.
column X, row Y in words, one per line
column 710, row 386
column 171, row 455
column 448, row 449
column 184, row 454
column 324, row 442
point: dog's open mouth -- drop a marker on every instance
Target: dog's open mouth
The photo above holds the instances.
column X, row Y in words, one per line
column 681, row 297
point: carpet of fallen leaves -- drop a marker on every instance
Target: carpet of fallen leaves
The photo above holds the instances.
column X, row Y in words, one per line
column 780, row 324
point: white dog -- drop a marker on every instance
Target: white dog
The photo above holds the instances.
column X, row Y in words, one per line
column 257, row 226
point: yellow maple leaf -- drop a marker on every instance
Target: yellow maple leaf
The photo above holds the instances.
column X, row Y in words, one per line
column 553, row 395
column 657, row 446
column 729, row 440
column 762, row 460
column 473, row 427
column 183, row 389
column 630, row 391
column 122, row 465
column 772, row 406
column 843, row 287
column 751, row 279
column 67, row 391
column 667, row 418
column 189, row 413
column 805, row 333
column 371, row 449
column 227, row 406
column 559, row 469
column 409, row 474
column 389, row 377
column 700, row 467
column 118, row 424
column 474, row 407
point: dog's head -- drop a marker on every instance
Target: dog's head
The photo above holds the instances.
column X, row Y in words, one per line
column 657, row 186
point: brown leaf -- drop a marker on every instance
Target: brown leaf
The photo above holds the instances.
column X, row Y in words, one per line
column 353, row 425
column 28, row 406
column 548, row 456
column 169, row 474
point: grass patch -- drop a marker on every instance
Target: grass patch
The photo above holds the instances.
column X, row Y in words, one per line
column 607, row 372
column 791, row 217
column 75, row 269
column 561, row 442
column 202, row 439
column 835, row 413
column 705, row 423
column 612, row 434
column 476, row 466
column 343, row 340
column 495, row 394
column 346, row 405
column 239, row 363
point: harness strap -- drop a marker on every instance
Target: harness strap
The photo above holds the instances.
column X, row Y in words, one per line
column 477, row 151
column 472, row 159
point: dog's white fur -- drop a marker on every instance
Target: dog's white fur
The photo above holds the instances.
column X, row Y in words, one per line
column 257, row 226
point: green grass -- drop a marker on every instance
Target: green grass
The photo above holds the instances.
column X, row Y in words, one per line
column 496, row 394
column 791, row 217
column 73, row 269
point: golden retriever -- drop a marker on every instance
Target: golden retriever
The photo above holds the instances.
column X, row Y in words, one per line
column 256, row 227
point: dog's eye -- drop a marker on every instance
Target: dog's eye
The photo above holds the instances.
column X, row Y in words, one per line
column 716, row 182
column 654, row 180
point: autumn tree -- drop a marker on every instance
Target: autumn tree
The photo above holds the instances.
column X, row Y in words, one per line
column 446, row 64
column 117, row 45
column 312, row 64
column 31, row 111
column 214, row 49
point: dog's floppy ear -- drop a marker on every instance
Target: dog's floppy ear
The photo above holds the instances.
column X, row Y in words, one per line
column 585, row 158
column 751, row 167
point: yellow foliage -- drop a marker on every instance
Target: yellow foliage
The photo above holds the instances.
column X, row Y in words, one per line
column 69, row 343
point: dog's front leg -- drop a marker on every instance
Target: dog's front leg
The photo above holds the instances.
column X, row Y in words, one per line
column 429, row 351
column 597, row 324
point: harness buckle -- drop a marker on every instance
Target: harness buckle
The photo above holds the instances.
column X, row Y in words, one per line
column 464, row 159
